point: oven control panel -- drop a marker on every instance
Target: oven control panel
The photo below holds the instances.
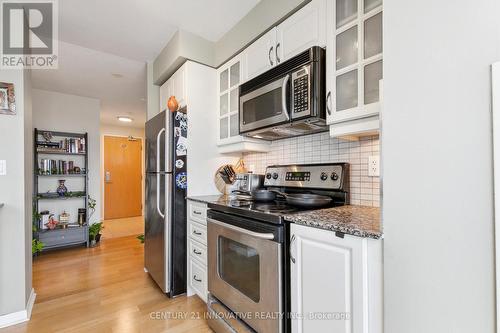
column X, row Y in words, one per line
column 321, row 176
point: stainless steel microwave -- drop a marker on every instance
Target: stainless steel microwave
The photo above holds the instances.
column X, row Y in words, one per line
column 287, row 100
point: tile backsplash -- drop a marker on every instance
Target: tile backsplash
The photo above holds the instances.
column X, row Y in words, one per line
column 321, row 148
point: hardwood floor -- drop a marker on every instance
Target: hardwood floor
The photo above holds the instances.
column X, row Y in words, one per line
column 123, row 227
column 105, row 289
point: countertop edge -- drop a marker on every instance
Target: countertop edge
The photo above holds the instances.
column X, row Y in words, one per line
column 335, row 227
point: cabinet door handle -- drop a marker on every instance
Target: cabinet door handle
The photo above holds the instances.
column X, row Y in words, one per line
column 290, row 249
column 196, row 279
column 196, row 212
column 196, row 252
column 197, row 233
column 269, row 55
column 278, row 60
column 328, row 103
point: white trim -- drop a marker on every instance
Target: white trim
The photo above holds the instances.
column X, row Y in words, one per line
column 19, row 316
column 31, row 303
column 495, row 103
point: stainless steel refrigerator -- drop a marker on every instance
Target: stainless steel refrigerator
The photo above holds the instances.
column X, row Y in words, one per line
column 165, row 215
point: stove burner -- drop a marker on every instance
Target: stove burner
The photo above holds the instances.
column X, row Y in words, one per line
column 240, row 203
column 275, row 208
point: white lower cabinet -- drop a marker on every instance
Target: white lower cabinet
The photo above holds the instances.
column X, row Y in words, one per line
column 336, row 283
column 197, row 250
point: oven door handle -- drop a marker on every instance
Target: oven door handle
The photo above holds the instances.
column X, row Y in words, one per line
column 268, row 236
column 283, row 97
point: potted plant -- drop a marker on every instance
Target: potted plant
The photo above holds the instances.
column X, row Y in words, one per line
column 95, row 233
column 36, row 246
column 141, row 238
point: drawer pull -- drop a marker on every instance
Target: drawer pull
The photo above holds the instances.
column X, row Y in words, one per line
column 196, row 279
column 196, row 212
column 197, row 233
column 196, row 252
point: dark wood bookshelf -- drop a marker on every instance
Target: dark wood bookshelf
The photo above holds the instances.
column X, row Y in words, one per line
column 70, row 236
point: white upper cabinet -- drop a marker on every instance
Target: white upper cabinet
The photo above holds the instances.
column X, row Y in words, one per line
column 229, row 77
column 179, row 86
column 354, row 59
column 174, row 86
column 302, row 30
column 166, row 91
column 261, row 54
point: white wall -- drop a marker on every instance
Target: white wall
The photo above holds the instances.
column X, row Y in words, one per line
column 437, row 165
column 121, row 131
column 69, row 113
column 15, row 193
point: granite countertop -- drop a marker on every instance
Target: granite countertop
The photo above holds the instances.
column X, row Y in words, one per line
column 210, row 198
column 362, row 221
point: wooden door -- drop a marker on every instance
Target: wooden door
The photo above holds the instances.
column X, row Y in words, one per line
column 122, row 177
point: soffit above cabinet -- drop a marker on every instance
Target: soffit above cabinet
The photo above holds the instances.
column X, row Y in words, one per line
column 187, row 46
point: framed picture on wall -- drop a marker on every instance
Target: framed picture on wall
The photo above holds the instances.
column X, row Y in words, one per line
column 7, row 98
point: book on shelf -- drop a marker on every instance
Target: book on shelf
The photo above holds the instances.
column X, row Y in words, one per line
column 58, row 167
column 67, row 145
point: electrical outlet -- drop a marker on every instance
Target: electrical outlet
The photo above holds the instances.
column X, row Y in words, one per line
column 373, row 166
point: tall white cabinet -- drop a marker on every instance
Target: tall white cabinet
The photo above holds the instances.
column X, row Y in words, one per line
column 354, row 65
column 195, row 85
column 337, row 277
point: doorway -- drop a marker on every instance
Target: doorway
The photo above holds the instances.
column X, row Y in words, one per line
column 122, row 177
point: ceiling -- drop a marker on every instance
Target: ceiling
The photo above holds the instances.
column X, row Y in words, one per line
column 99, row 38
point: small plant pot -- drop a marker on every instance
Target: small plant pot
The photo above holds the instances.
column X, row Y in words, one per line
column 93, row 243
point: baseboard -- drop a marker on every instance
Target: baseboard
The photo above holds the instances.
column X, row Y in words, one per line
column 19, row 316
column 31, row 303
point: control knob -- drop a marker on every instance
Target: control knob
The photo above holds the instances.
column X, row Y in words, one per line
column 268, row 176
column 334, row 176
column 324, row 176
column 275, row 176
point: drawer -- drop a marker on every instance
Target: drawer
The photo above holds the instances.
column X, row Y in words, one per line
column 198, row 232
column 198, row 251
column 61, row 237
column 197, row 211
column 198, row 279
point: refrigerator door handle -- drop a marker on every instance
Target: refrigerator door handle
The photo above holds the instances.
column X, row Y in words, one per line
column 158, row 156
column 158, row 196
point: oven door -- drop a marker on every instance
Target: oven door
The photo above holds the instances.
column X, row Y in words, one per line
column 244, row 273
column 265, row 106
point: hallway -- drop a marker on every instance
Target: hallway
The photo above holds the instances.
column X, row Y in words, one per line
column 104, row 289
column 129, row 226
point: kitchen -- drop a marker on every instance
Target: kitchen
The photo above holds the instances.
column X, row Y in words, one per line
column 282, row 166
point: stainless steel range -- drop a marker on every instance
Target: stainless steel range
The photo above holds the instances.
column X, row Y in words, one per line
column 248, row 271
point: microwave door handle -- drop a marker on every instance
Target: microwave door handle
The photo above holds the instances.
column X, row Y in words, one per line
column 283, row 97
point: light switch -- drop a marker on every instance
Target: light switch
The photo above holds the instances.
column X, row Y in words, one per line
column 3, row 167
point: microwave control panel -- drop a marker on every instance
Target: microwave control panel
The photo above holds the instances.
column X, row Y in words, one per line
column 301, row 92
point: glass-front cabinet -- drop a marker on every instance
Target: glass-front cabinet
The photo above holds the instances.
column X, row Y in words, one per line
column 229, row 77
column 354, row 59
